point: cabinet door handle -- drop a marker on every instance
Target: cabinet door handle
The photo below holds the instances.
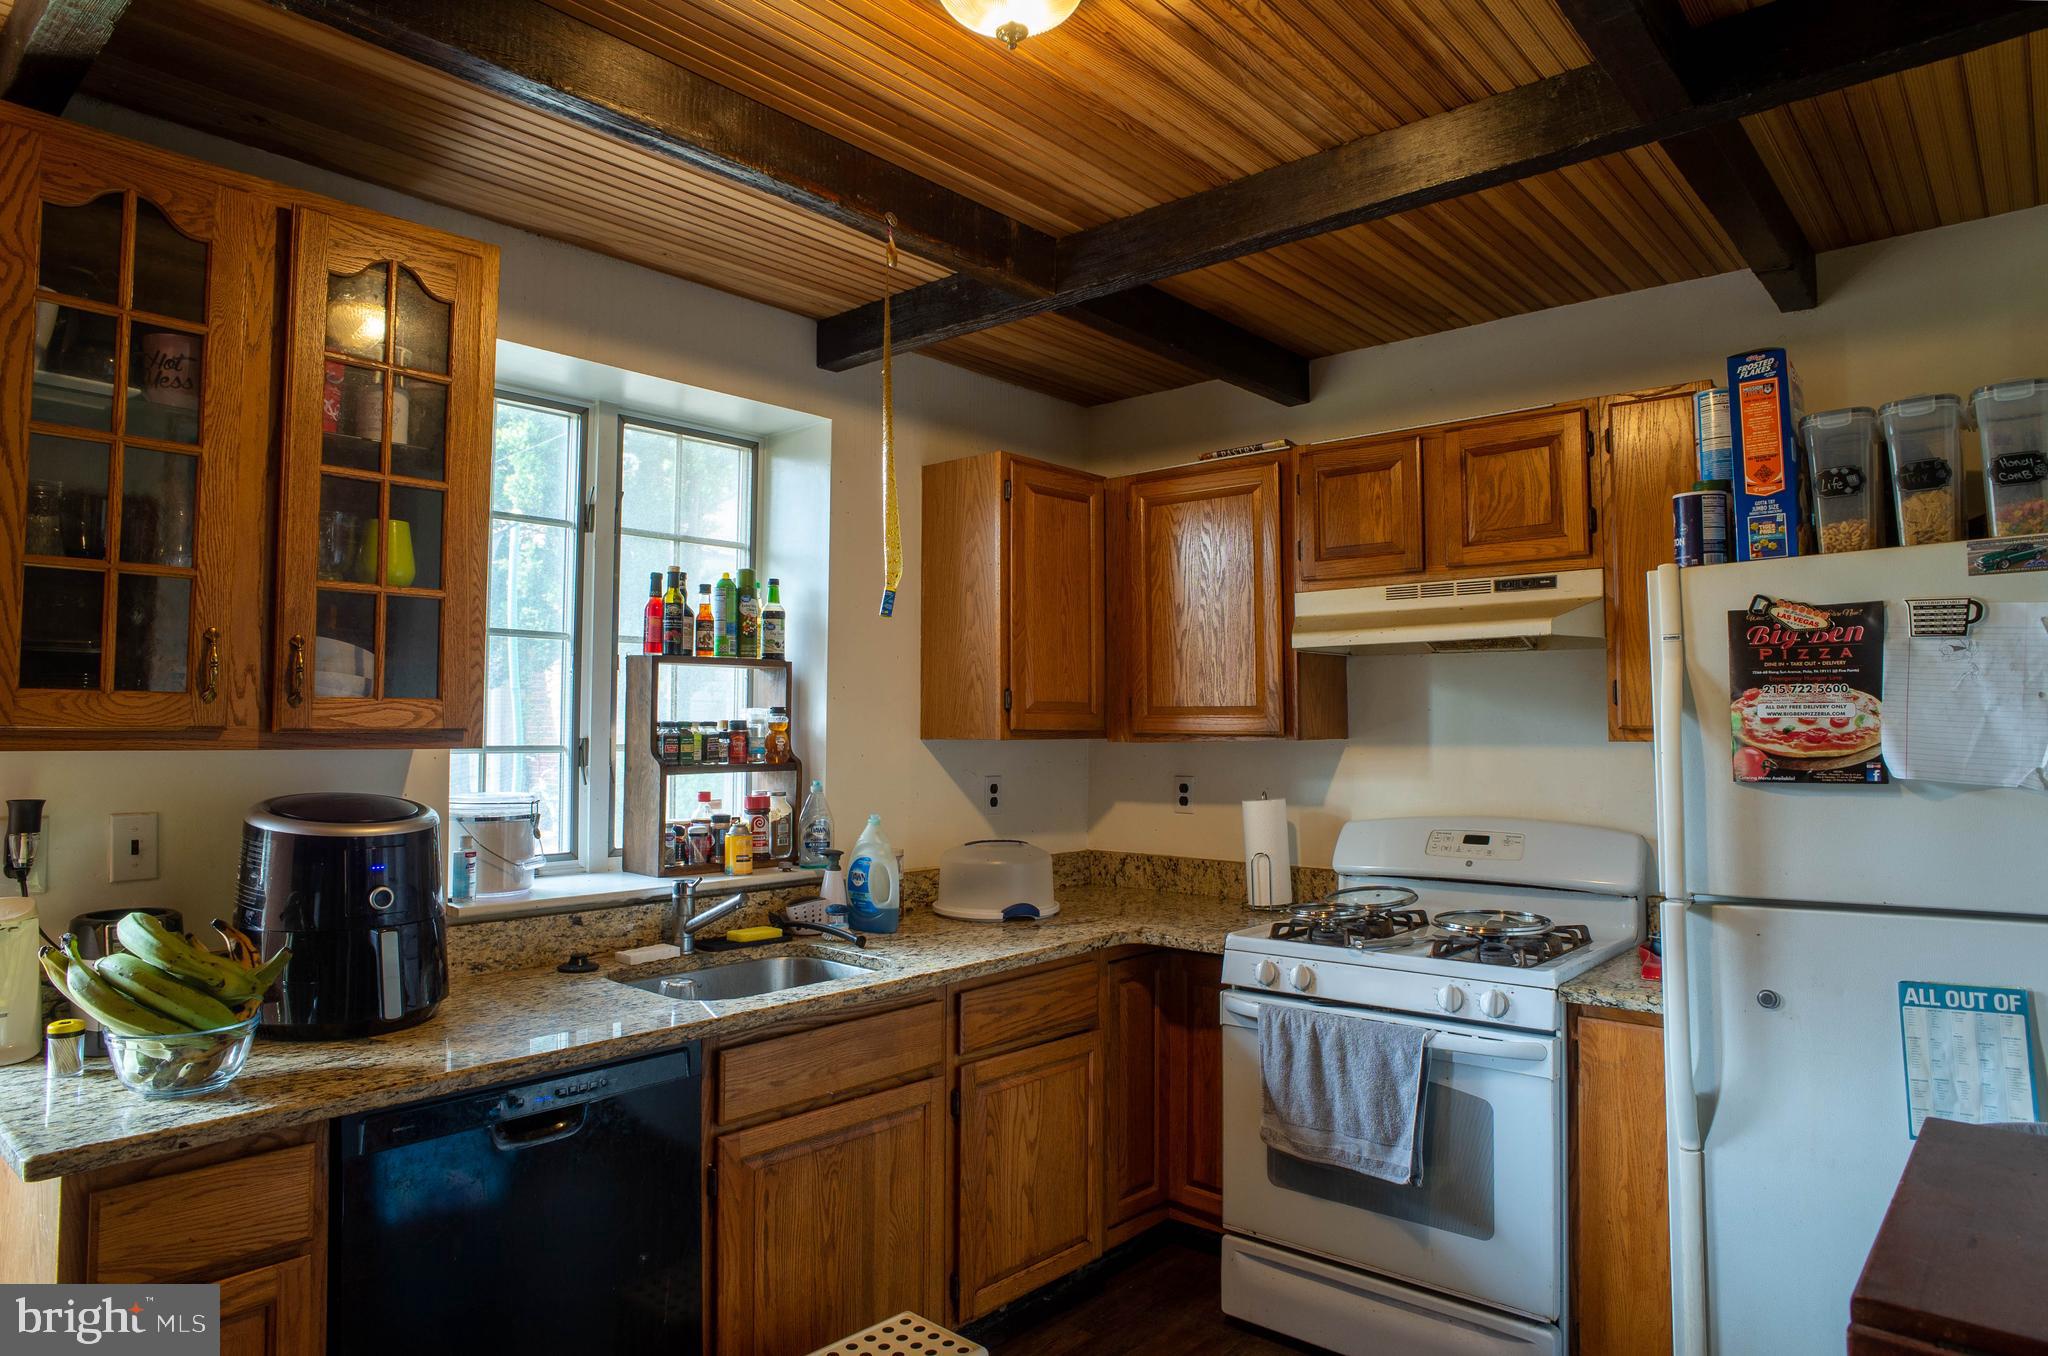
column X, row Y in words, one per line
column 295, row 672
column 209, row 664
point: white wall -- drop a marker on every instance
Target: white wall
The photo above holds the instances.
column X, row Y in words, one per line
column 1944, row 310
column 568, row 300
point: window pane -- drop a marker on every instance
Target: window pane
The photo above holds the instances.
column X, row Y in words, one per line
column 152, row 633
column 647, row 480
column 530, row 686
column 714, row 490
column 81, row 252
column 533, row 586
column 545, row 775
column 533, row 464
column 465, row 769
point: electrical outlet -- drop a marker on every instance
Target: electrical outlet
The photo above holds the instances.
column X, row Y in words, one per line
column 992, row 790
column 131, row 847
column 1183, row 794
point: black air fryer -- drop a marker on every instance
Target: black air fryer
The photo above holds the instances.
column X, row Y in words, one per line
column 352, row 884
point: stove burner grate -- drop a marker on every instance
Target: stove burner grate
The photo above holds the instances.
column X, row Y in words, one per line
column 1523, row 948
column 1361, row 929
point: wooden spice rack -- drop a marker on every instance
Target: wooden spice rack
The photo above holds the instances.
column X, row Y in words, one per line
column 648, row 777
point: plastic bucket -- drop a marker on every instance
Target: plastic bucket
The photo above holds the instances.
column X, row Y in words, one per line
column 506, row 828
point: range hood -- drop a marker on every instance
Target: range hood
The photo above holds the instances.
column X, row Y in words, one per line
column 1554, row 611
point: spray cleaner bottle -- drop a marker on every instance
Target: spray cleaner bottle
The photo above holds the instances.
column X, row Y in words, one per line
column 874, row 895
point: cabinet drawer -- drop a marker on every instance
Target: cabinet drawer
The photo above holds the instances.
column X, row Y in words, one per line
column 1036, row 1007
column 206, row 1222
column 827, row 1061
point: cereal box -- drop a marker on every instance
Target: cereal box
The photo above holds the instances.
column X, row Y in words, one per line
column 1765, row 405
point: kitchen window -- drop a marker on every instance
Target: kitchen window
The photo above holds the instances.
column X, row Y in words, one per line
column 686, row 498
column 535, row 600
column 672, row 495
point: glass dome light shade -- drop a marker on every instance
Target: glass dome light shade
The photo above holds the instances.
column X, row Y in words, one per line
column 1010, row 21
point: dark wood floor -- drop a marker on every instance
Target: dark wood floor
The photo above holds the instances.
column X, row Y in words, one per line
column 1156, row 1296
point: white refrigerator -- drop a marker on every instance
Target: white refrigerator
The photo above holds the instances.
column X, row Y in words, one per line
column 1792, row 915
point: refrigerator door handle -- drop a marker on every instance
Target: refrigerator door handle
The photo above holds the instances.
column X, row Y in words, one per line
column 1687, row 1184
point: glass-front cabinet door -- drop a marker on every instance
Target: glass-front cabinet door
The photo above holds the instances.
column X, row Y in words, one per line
column 123, row 324
column 385, row 480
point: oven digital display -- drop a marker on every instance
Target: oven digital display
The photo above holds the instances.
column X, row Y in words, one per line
column 1472, row 846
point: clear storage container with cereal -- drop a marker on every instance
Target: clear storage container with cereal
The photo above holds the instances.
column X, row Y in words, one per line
column 1925, row 438
column 2012, row 430
column 1841, row 459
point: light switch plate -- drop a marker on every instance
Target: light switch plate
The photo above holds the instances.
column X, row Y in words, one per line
column 131, row 847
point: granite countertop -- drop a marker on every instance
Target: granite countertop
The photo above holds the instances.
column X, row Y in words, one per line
column 496, row 1028
column 1617, row 984
column 528, row 1023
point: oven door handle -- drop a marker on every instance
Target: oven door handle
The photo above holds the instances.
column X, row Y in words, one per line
column 1449, row 1042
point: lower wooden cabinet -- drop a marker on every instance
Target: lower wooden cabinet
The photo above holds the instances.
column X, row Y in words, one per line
column 269, row 1312
column 1030, row 1169
column 829, row 1220
column 1620, row 1232
column 1134, row 1031
column 249, row 1215
column 1195, row 1088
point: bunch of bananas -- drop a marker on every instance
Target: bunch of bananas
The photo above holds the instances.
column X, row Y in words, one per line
column 160, row 984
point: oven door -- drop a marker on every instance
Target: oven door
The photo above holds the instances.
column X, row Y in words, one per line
column 1487, row 1220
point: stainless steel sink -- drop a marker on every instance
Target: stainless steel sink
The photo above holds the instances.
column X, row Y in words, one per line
column 747, row 978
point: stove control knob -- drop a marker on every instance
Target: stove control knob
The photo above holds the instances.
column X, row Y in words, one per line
column 1450, row 998
column 1493, row 1003
column 1268, row 973
column 1303, row 978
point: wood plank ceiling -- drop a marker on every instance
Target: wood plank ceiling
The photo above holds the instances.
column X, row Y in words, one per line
column 1129, row 104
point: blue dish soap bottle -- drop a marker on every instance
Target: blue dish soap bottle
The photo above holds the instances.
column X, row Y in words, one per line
column 874, row 895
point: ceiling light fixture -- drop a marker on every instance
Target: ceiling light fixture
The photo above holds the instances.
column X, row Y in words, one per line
column 1010, row 21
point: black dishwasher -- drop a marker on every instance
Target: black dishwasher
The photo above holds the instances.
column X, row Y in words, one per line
column 559, row 1215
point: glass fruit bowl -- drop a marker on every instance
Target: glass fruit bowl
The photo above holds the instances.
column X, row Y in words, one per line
column 184, row 1065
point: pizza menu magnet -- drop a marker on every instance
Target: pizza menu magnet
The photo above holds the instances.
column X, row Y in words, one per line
column 1806, row 682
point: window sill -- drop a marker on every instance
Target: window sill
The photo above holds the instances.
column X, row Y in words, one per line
column 582, row 891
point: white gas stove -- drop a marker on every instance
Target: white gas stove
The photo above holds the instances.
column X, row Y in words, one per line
column 1466, row 926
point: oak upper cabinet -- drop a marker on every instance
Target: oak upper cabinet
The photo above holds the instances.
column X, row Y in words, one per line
column 1651, row 454
column 1512, row 491
column 1360, row 515
column 128, row 598
column 830, row 1220
column 1620, row 1240
column 1135, row 1088
column 1201, row 600
column 1013, row 627
column 1030, row 1169
column 384, row 505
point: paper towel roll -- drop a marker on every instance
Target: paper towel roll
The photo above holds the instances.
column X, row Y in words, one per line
column 1268, row 863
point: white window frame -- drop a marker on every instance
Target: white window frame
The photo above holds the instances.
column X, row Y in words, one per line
column 579, row 524
column 611, row 459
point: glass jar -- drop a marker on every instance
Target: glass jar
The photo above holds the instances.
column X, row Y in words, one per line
column 736, row 754
column 716, row 746
column 757, row 735
column 778, row 734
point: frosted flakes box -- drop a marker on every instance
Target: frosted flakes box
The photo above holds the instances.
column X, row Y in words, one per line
column 1765, row 405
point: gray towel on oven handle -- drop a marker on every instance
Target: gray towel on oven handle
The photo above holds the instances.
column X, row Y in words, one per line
column 1344, row 1090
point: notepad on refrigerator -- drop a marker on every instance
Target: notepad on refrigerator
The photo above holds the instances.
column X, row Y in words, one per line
column 1969, row 709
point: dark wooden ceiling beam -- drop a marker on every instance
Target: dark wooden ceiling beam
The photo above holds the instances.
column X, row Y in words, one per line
column 1745, row 64
column 534, row 55
column 47, row 46
column 1639, row 44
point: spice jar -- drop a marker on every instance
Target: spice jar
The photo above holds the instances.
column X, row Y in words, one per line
column 671, row 736
column 757, row 736
column 715, row 745
column 64, row 1047
column 778, row 734
column 736, row 743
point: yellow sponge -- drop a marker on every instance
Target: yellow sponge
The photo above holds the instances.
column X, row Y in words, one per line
column 759, row 934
